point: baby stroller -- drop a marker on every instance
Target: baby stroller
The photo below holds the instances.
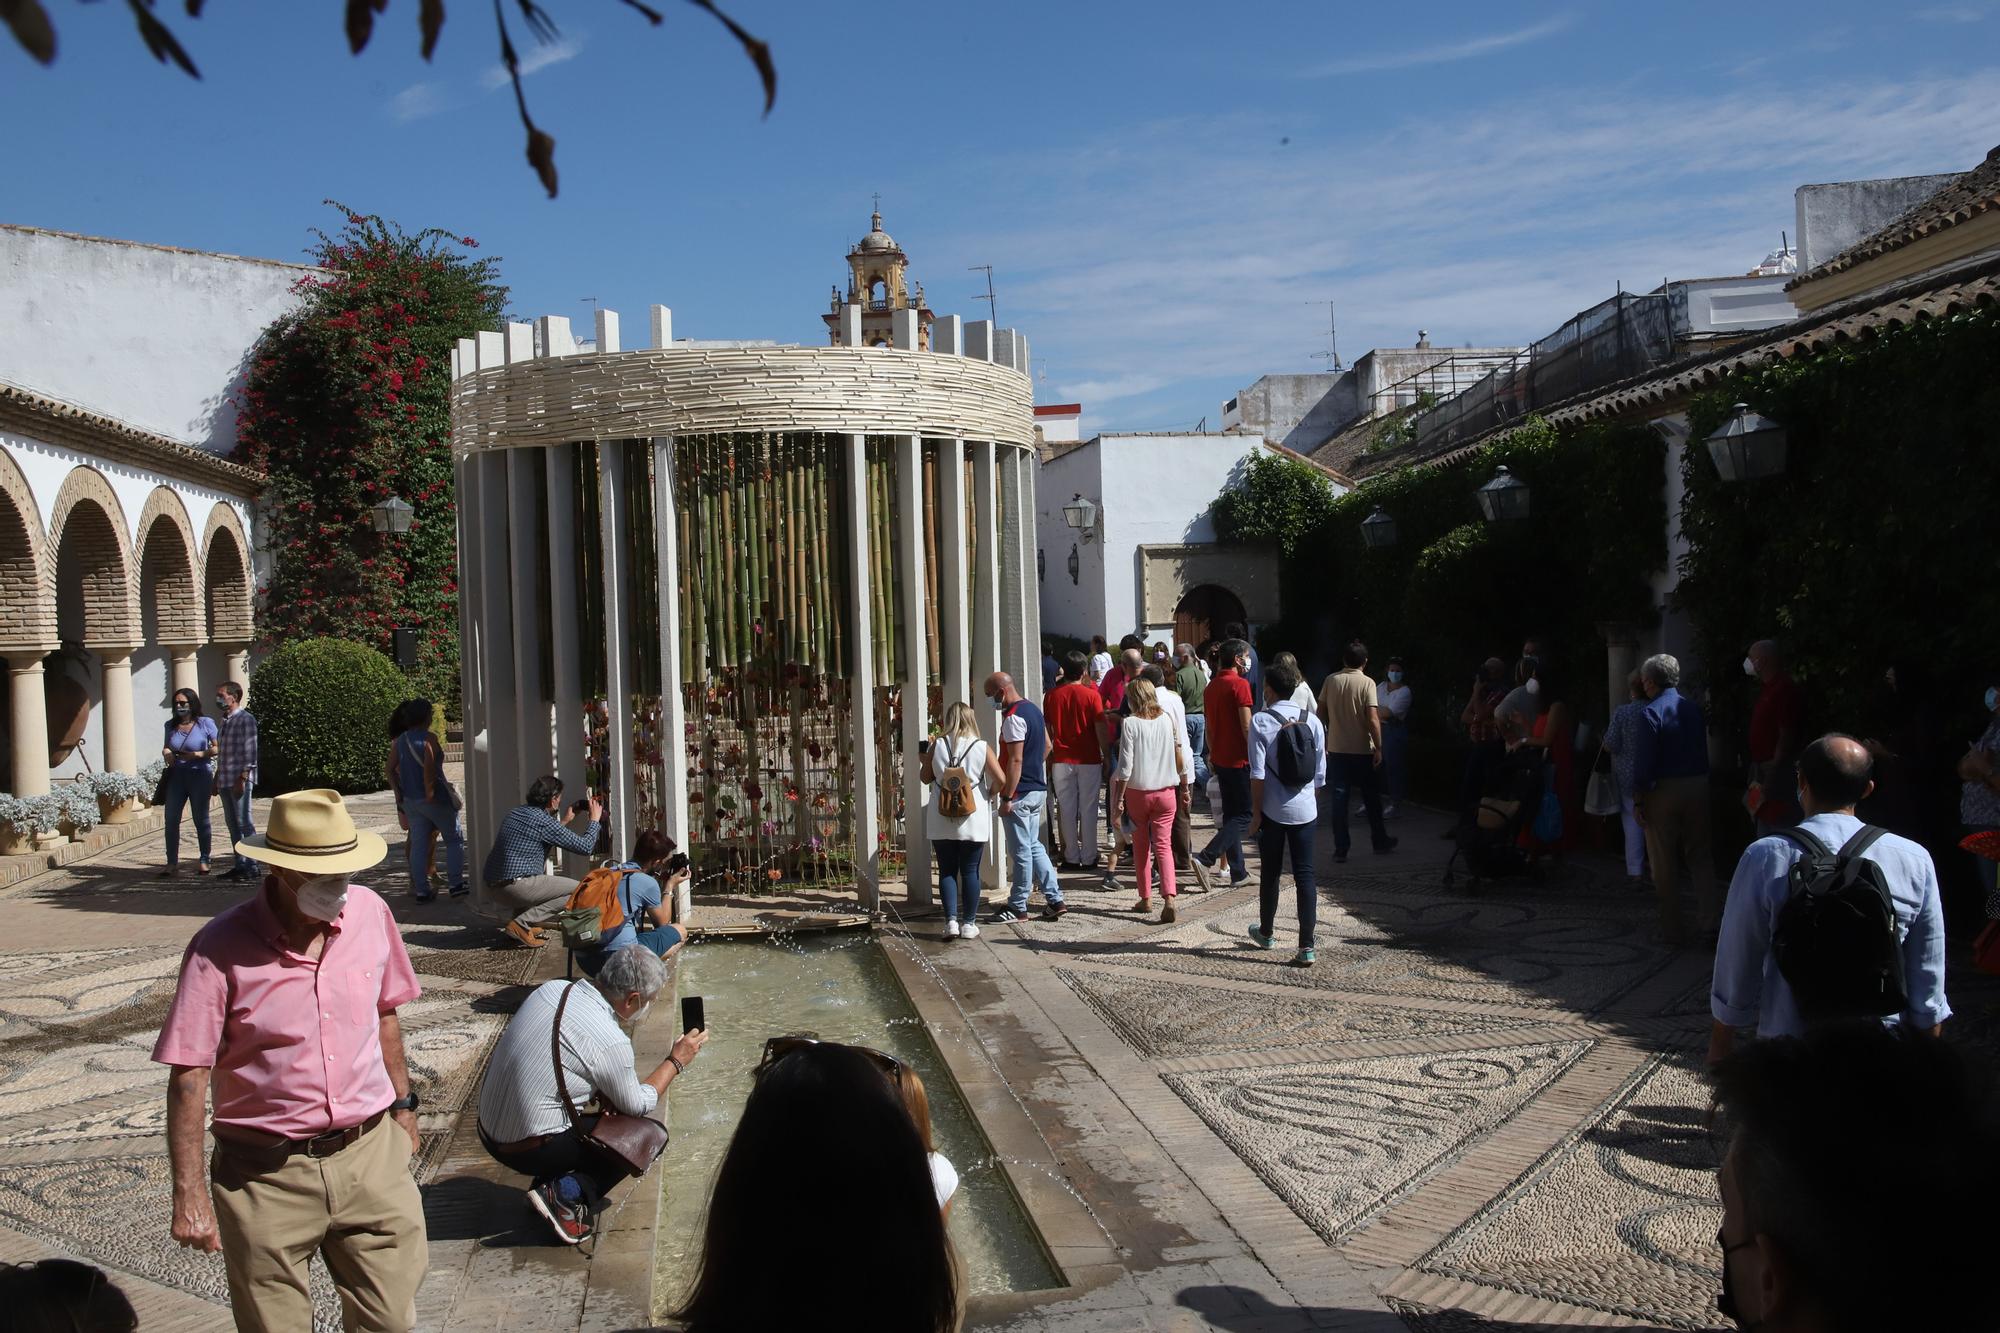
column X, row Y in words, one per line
column 1490, row 842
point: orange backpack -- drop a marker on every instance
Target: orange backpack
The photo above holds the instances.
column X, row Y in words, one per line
column 595, row 908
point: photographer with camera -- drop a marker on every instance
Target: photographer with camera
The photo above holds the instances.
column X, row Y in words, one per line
column 645, row 892
column 516, row 869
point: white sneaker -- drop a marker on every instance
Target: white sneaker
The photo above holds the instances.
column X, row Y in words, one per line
column 951, row 928
column 969, row 931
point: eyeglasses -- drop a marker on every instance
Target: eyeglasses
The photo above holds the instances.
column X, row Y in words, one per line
column 777, row 1048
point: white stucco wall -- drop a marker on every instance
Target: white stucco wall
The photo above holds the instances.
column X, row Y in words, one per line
column 149, row 335
column 1152, row 490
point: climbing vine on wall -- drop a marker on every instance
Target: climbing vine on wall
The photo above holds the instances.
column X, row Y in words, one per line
column 346, row 403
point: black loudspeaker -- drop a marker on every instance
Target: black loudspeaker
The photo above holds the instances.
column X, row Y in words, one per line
column 406, row 648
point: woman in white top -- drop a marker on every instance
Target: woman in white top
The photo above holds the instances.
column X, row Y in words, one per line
column 944, row 1176
column 1392, row 705
column 1151, row 770
column 1303, row 696
column 958, row 843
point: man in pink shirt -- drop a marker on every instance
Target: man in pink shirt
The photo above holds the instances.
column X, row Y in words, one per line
column 286, row 1014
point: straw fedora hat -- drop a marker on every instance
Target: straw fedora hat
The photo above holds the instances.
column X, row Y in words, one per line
column 312, row 831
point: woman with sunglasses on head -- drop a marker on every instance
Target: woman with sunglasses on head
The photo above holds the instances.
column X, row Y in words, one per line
column 874, row 1183
column 189, row 750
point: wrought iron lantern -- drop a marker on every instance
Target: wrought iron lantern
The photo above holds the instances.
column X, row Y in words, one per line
column 392, row 516
column 1075, row 565
column 1505, row 498
column 1081, row 514
column 1378, row 530
column 1041, row 565
column 1747, row 446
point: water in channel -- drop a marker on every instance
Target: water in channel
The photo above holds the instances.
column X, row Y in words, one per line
column 837, row 987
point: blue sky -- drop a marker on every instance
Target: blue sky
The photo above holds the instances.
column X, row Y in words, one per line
column 1162, row 189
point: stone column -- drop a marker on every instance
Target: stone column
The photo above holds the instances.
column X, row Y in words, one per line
column 239, row 665
column 1621, row 655
column 30, row 774
column 187, row 666
column 867, row 797
column 121, row 738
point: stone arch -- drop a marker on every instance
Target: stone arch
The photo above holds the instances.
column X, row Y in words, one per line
column 226, row 582
column 171, row 601
column 92, row 565
column 27, row 602
column 1203, row 612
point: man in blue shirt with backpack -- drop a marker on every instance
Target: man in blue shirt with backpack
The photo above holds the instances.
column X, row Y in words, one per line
column 1811, row 936
column 1024, row 799
column 1287, row 767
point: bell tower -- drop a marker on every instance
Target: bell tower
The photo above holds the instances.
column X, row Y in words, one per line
column 878, row 282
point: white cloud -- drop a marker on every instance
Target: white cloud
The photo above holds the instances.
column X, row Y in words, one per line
column 1952, row 14
column 417, row 101
column 1445, row 54
column 538, row 56
column 1161, row 300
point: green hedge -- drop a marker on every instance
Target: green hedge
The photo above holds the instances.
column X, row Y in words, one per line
column 1455, row 589
column 323, row 709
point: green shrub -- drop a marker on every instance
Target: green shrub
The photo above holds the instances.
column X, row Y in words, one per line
column 323, row 709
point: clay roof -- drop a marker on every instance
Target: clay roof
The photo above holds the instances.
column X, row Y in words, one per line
column 1971, row 285
column 91, row 432
column 1058, row 409
column 1349, row 448
column 1311, row 462
column 1976, row 192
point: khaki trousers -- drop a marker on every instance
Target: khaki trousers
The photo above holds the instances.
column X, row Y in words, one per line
column 359, row 1209
column 534, row 899
column 1677, row 821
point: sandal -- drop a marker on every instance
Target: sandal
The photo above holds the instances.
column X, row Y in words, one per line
column 169, row 872
column 1167, row 915
column 1143, row 905
column 201, row 868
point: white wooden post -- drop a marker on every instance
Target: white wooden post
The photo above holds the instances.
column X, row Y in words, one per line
column 986, row 605
column 673, row 703
column 471, row 670
column 916, row 676
column 615, row 530
column 1031, row 576
column 954, row 586
column 607, row 331
column 850, row 325
column 948, row 335
column 490, row 582
column 566, row 633
column 979, row 340
column 663, row 326
column 867, row 804
column 903, row 329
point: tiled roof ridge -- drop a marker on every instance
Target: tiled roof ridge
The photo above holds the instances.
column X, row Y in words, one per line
column 1974, row 192
column 160, row 448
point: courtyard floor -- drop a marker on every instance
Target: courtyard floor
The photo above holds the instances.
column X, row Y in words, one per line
column 1476, row 1113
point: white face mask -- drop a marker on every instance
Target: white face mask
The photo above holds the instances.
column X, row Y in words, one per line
column 632, row 1020
column 1749, row 667
column 323, row 896
column 1533, row 686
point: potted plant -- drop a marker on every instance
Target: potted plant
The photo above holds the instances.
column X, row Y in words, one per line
column 76, row 805
column 24, row 819
column 149, row 779
column 115, row 794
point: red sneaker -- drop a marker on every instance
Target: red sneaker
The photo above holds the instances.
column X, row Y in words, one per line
column 571, row 1225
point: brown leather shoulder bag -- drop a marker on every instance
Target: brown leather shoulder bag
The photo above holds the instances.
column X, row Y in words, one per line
column 630, row 1142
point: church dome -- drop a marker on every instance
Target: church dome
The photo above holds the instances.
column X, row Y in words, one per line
column 877, row 239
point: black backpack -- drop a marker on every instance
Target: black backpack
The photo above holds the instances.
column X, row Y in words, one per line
column 1297, row 753
column 1835, row 938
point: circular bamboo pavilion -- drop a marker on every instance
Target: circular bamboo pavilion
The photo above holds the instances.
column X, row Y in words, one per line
column 728, row 587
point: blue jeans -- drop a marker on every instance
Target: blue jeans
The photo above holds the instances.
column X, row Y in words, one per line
column 425, row 816
column 1228, row 840
column 1197, row 736
column 1345, row 773
column 191, row 786
column 1028, row 863
column 659, row 939
column 236, row 817
column 958, row 877
column 1395, row 761
column 1274, row 841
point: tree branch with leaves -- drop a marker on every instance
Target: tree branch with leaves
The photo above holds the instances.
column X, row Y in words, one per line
column 36, row 34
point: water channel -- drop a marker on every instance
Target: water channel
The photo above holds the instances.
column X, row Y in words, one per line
column 838, row 987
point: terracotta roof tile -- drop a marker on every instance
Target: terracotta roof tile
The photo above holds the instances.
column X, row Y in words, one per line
column 1976, row 192
column 96, row 432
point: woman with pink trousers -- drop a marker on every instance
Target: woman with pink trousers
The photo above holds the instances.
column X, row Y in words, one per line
column 1150, row 770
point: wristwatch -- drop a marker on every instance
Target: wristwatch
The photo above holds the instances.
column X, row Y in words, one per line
column 407, row 1102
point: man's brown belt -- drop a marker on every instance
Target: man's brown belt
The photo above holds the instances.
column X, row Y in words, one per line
column 322, row 1145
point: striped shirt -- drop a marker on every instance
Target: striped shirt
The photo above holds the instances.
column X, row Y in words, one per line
column 526, row 834
column 236, row 742
column 519, row 1098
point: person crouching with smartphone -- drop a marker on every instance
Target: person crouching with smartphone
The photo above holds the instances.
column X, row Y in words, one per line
column 524, row 1122
column 652, row 875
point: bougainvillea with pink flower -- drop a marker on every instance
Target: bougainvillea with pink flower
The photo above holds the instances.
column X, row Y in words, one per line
column 348, row 402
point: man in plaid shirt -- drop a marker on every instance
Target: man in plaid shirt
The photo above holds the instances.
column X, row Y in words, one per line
column 236, row 771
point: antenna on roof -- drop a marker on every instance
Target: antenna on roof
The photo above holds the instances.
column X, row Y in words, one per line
column 1332, row 353
column 992, row 306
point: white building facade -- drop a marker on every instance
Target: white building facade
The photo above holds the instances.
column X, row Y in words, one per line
column 126, row 554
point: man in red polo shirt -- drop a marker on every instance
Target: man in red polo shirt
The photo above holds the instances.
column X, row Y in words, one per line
column 1073, row 712
column 286, row 1013
column 1227, row 705
column 1775, row 725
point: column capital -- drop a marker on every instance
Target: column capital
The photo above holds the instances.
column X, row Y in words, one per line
column 21, row 660
column 1619, row 632
column 183, row 649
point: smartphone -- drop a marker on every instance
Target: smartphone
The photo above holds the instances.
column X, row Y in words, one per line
column 692, row 1015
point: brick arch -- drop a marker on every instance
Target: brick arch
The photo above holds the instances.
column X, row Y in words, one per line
column 172, row 608
column 225, row 562
column 87, row 533
column 27, row 602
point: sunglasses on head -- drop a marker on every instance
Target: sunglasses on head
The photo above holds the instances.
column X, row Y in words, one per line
column 777, row 1048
